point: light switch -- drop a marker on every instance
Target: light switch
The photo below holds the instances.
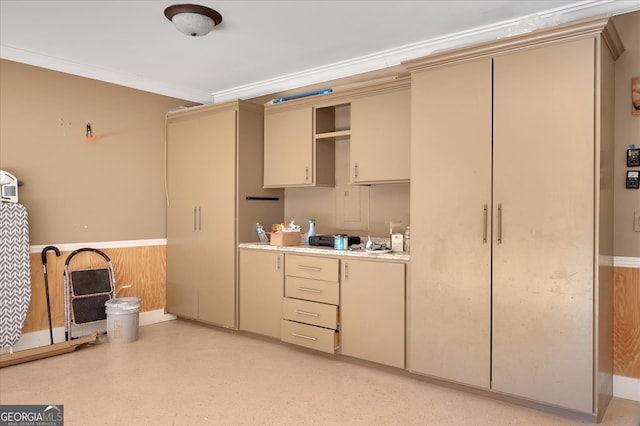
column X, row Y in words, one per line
column 636, row 221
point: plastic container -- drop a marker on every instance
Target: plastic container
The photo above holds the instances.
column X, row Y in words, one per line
column 340, row 242
column 262, row 236
column 407, row 240
column 312, row 229
column 122, row 319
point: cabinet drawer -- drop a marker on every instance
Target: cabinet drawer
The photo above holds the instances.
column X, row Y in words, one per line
column 317, row 268
column 310, row 313
column 309, row 336
column 314, row 290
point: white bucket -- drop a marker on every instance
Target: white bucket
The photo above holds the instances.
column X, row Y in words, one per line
column 122, row 319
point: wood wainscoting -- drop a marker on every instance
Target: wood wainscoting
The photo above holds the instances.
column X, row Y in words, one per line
column 144, row 268
column 626, row 322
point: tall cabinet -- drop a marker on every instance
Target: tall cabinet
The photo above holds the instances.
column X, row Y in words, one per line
column 215, row 197
column 511, row 284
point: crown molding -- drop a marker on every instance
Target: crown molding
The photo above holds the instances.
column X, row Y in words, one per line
column 362, row 64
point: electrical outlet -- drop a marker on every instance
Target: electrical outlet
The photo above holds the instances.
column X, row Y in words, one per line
column 636, row 221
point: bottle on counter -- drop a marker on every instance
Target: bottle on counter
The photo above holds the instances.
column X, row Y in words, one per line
column 407, row 240
column 312, row 229
column 262, row 236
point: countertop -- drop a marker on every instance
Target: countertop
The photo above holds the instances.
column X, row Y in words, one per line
column 328, row 251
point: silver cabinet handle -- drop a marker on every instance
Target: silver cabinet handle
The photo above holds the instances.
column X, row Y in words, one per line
column 485, row 210
column 199, row 219
column 355, row 170
column 309, row 314
column 499, row 239
column 302, row 336
column 309, row 268
column 309, row 290
column 306, row 173
column 346, row 271
column 277, row 263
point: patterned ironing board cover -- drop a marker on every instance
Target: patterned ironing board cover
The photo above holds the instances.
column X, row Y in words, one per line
column 15, row 272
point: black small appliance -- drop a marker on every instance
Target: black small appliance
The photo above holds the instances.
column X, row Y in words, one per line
column 327, row 240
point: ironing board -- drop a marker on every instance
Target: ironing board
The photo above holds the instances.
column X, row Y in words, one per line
column 15, row 272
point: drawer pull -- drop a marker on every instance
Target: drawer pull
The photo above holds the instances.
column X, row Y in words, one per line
column 309, row 268
column 302, row 336
column 310, row 290
column 310, row 314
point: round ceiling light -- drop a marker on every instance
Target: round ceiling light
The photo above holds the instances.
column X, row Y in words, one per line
column 193, row 19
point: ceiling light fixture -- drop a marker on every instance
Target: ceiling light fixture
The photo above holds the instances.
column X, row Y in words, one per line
column 192, row 19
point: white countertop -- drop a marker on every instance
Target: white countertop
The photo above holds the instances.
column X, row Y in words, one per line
column 328, row 251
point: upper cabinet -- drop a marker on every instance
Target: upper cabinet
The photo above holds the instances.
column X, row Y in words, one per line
column 380, row 135
column 292, row 156
column 288, row 147
column 300, row 136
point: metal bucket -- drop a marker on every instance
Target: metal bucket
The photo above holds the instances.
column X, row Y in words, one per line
column 122, row 319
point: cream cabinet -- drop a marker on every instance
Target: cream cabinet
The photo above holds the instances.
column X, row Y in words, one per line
column 261, row 287
column 380, row 134
column 288, row 142
column 511, row 179
column 310, row 310
column 373, row 118
column 292, row 154
column 214, row 188
column 372, row 306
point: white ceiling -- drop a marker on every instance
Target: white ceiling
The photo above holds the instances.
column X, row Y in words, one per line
column 261, row 47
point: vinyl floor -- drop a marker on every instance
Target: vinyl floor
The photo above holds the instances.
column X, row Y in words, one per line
column 183, row 373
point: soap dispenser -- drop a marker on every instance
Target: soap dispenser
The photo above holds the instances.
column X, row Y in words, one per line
column 312, row 229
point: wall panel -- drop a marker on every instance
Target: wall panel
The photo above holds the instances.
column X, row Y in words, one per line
column 626, row 322
column 142, row 267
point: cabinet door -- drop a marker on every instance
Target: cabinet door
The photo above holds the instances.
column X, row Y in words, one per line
column 183, row 147
column 216, row 248
column 543, row 263
column 380, row 139
column 261, row 291
column 449, row 316
column 288, row 147
column 372, row 311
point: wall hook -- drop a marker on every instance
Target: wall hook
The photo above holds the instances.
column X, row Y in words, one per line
column 89, row 134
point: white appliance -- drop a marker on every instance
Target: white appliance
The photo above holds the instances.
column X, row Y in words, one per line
column 8, row 187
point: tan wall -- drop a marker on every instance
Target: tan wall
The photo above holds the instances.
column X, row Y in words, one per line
column 386, row 202
column 78, row 191
column 627, row 131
